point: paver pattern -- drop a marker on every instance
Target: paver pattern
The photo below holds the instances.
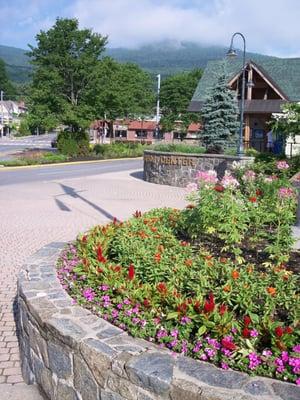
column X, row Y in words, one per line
column 34, row 214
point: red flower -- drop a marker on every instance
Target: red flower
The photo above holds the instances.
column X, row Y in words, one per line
column 246, row 332
column 146, row 303
column 223, row 309
column 181, row 308
column 115, row 221
column 259, row 192
column 289, row 330
column 197, row 307
column 131, row 272
column 253, row 199
column 219, row 188
column 162, row 287
column 190, row 206
column 137, row 214
column 188, row 262
column 117, row 268
column 157, row 257
column 279, row 331
column 228, row 344
column 247, row 320
column 100, row 257
column 209, row 304
column 84, row 239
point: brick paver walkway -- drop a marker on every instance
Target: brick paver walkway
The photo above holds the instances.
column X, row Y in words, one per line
column 34, row 214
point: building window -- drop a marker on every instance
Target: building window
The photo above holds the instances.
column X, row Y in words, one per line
column 141, row 134
column 120, row 133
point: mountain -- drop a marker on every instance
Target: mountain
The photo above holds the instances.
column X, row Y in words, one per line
column 17, row 63
column 166, row 58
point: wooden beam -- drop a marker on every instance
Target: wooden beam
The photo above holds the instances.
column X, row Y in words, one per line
column 250, row 78
column 247, row 130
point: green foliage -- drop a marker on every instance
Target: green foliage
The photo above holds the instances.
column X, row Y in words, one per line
column 142, row 277
column 36, row 159
column 24, row 128
column 66, row 67
column 119, row 150
column 73, row 144
column 175, row 95
column 288, row 123
column 179, row 148
column 122, row 90
column 220, row 114
column 5, row 84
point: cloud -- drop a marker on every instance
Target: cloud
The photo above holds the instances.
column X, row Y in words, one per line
column 270, row 27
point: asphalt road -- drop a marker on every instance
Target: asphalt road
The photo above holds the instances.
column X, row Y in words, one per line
column 54, row 172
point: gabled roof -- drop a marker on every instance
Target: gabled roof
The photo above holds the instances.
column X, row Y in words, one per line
column 142, row 125
column 194, row 127
column 284, row 73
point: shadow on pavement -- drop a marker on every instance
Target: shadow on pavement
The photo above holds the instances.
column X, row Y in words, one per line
column 73, row 193
column 138, row 175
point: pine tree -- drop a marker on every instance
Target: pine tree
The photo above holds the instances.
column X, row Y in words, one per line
column 220, row 114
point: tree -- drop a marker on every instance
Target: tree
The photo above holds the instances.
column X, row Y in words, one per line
column 66, row 62
column 288, row 123
column 123, row 90
column 220, row 114
column 175, row 96
column 5, row 84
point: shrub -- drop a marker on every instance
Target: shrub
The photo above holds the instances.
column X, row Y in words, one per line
column 179, row 148
column 119, row 150
column 73, row 144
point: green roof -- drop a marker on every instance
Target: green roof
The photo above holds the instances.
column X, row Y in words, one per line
column 284, row 73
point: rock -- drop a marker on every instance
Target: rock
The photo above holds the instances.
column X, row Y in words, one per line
column 286, row 391
column 84, row 381
column 59, row 361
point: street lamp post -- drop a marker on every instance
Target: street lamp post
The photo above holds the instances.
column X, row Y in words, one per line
column 232, row 53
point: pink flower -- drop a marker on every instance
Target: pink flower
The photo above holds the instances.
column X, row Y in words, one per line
column 254, row 360
column 191, row 187
column 254, row 333
column 282, row 165
column 296, row 348
column 249, row 176
column 229, row 181
column 224, row 365
column 285, row 192
column 267, row 353
column 207, row 178
column 298, row 381
column 270, row 179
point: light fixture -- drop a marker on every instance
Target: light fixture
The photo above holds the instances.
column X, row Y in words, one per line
column 231, row 53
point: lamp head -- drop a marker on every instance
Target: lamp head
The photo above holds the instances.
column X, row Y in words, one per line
column 231, row 53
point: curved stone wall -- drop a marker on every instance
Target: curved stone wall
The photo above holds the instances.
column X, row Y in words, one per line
column 74, row 355
column 179, row 169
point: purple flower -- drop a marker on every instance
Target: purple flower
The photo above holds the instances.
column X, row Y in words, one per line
column 143, row 323
column 173, row 343
column 184, row 348
column 282, row 165
column 285, row 356
column 296, row 348
column 280, row 366
column 197, row 347
column 161, row 333
column 224, row 365
column 203, row 357
column 298, row 381
column 115, row 313
column 254, row 360
column 267, row 353
column 174, row 333
column 254, row 333
column 135, row 320
column 214, row 343
column 226, row 352
column 89, row 294
column 210, row 352
column 127, row 301
column 185, row 320
column 104, row 288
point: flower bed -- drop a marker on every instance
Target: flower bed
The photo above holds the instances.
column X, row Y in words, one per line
column 216, row 281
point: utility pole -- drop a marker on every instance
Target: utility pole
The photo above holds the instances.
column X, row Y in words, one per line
column 2, row 117
column 157, row 107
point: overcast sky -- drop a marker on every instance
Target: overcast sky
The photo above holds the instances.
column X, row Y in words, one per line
column 270, row 26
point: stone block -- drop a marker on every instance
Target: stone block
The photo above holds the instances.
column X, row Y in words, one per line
column 59, row 361
column 84, row 381
column 153, row 371
column 182, row 389
column 286, row 391
column 66, row 330
column 123, row 387
column 65, row 392
column 119, row 363
column 209, row 374
column 257, row 387
column 107, row 395
column 99, row 357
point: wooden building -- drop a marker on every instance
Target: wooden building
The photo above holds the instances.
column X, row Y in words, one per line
column 273, row 82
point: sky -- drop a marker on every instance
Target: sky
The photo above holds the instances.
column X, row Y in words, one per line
column 270, row 26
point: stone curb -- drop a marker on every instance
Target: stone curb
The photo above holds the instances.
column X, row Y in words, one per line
column 74, row 355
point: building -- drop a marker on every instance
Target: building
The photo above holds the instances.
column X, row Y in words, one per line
column 10, row 114
column 273, row 83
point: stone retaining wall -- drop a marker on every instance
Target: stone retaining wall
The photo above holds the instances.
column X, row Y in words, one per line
column 74, row 355
column 179, row 169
